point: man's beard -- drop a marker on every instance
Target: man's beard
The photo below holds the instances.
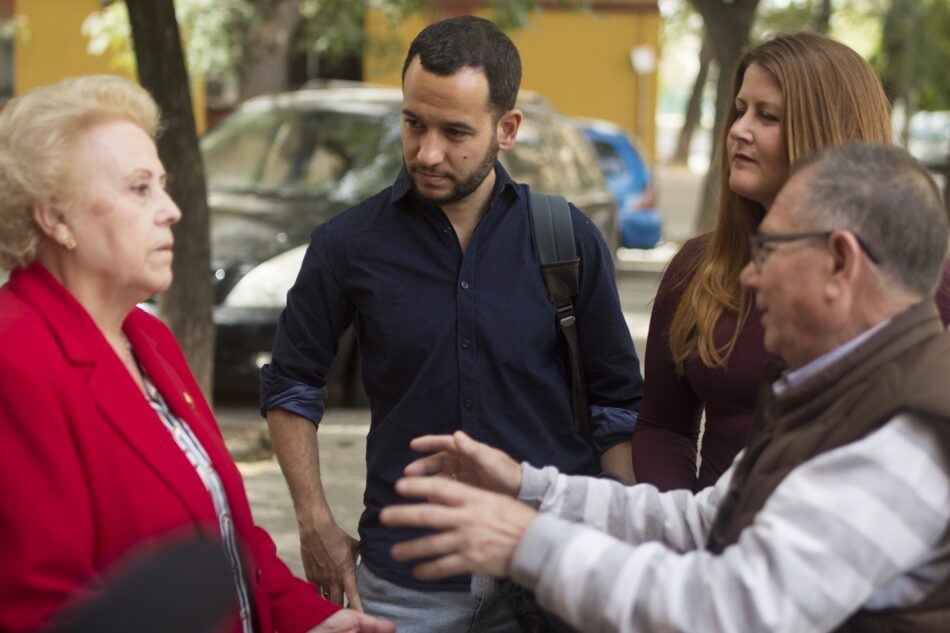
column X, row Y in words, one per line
column 462, row 189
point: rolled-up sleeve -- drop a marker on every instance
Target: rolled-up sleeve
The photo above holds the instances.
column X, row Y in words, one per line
column 308, row 333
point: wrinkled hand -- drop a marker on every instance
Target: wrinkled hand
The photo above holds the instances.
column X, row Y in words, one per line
column 349, row 621
column 329, row 560
column 479, row 529
column 460, row 457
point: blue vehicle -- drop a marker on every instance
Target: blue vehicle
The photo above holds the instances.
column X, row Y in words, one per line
column 640, row 224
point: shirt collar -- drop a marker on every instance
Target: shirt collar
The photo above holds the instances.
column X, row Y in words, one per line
column 792, row 379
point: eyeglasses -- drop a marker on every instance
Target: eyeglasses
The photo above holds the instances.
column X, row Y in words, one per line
column 758, row 242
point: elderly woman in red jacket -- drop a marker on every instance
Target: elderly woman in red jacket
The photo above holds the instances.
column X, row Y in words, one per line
column 108, row 445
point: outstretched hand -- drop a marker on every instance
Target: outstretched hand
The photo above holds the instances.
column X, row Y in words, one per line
column 460, row 457
column 478, row 530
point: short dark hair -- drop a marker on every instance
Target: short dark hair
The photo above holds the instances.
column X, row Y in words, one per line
column 447, row 46
column 882, row 194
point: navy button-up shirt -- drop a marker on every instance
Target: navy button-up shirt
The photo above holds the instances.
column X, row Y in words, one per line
column 452, row 340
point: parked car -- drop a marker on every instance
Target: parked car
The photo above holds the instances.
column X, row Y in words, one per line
column 928, row 138
column 282, row 164
column 627, row 176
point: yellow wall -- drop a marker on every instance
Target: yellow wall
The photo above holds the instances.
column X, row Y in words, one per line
column 579, row 60
column 52, row 47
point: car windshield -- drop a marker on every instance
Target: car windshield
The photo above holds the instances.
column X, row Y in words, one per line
column 297, row 153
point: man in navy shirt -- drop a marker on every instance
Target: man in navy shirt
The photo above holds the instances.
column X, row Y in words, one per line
column 440, row 277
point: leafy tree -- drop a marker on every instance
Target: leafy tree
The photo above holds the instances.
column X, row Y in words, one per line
column 797, row 15
column 254, row 40
column 915, row 54
column 913, row 60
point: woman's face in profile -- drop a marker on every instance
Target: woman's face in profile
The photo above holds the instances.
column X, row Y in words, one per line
column 758, row 164
column 123, row 218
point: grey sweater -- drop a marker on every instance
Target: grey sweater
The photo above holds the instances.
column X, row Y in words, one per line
column 864, row 525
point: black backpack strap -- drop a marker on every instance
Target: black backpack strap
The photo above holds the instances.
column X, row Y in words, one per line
column 560, row 269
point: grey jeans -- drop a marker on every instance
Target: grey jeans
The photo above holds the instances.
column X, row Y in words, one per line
column 482, row 610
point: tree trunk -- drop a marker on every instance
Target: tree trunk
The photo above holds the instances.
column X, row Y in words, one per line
column 728, row 30
column 822, row 23
column 186, row 305
column 267, row 47
column 693, row 108
column 911, row 79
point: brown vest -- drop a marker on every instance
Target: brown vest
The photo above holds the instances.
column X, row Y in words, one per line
column 905, row 367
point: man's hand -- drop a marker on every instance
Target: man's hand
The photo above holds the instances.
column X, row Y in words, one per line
column 328, row 553
column 349, row 621
column 460, row 457
column 479, row 530
column 329, row 560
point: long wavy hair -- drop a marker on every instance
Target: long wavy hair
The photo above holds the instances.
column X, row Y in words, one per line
column 831, row 96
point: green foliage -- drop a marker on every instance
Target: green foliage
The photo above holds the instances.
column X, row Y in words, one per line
column 795, row 15
column 680, row 21
column 915, row 52
column 213, row 30
column 109, row 34
column 333, row 29
column 217, row 31
column 786, row 16
column 511, row 15
column 11, row 25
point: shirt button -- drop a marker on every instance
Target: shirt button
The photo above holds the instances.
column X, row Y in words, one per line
column 469, row 404
column 464, row 285
column 464, row 343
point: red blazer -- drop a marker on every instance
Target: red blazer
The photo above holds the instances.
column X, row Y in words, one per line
column 89, row 473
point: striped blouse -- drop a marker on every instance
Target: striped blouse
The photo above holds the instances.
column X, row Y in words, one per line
column 199, row 459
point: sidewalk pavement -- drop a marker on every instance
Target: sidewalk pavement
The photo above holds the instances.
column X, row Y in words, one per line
column 342, row 462
column 652, row 261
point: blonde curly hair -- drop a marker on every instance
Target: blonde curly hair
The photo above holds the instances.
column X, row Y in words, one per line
column 38, row 132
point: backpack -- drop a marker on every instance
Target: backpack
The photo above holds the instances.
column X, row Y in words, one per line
column 560, row 269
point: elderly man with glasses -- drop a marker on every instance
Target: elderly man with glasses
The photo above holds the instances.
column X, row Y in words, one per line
column 836, row 516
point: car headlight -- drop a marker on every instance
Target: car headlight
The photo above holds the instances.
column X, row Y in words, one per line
column 266, row 285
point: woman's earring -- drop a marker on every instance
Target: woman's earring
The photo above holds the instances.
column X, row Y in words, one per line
column 68, row 242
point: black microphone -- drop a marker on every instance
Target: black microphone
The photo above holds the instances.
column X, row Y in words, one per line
column 184, row 587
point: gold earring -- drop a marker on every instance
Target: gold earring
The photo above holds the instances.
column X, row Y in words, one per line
column 68, row 242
